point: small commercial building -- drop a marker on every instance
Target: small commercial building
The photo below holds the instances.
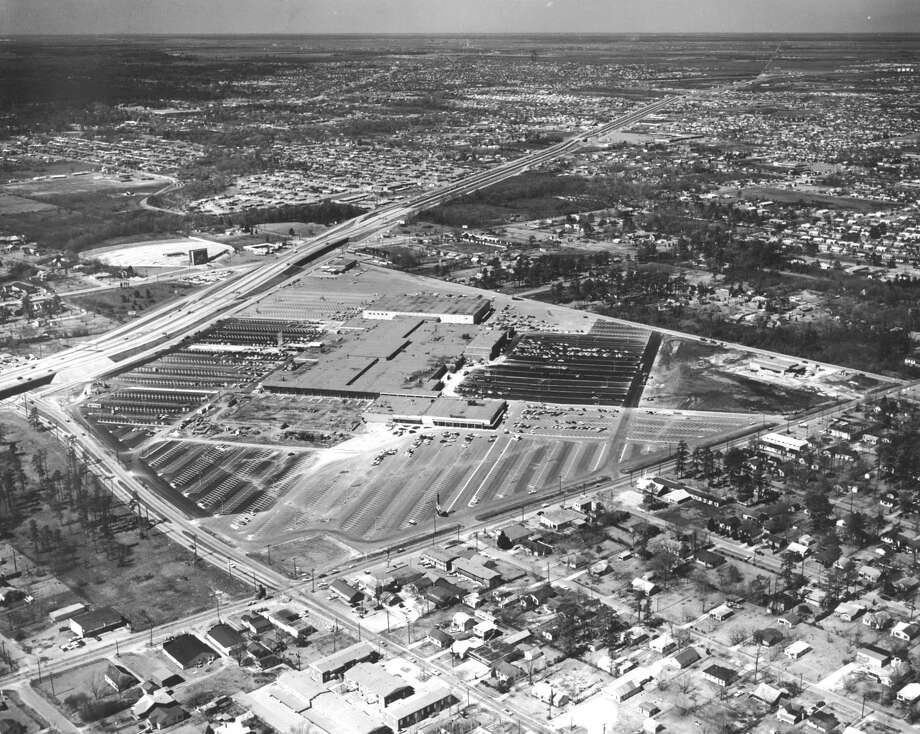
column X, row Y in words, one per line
column 797, row 649
column 415, row 709
column 372, row 680
column 97, row 621
column 65, row 613
column 719, row 675
column 225, row 639
column 476, row 572
column 781, row 444
column 561, row 519
column 345, row 591
column 873, row 657
column 335, row 665
column 909, row 694
column 187, row 651
column 291, row 623
column 440, row 558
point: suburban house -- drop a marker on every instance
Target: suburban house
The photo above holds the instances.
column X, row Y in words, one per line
column 906, row 631
column 119, row 678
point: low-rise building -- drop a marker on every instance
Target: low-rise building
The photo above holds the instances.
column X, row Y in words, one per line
column 372, row 680
column 909, row 694
column 440, row 558
column 225, row 639
column 336, row 664
column 187, row 651
column 719, row 675
column 476, row 572
column 345, row 591
column 906, row 631
column 97, row 621
column 873, row 657
column 291, row 623
column 410, row 711
column 797, row 649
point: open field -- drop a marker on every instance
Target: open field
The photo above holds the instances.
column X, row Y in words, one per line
column 691, row 375
column 61, row 184
column 122, row 304
column 812, row 198
column 287, row 419
column 12, row 204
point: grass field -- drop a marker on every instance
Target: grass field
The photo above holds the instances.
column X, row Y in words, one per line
column 11, row 204
column 810, row 198
column 118, row 303
column 84, row 184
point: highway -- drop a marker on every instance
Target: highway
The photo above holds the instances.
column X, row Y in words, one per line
column 171, row 323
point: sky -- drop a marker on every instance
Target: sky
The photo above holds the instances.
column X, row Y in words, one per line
column 457, row 16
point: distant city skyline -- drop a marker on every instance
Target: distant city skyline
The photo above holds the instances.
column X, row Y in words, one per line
column 456, row 16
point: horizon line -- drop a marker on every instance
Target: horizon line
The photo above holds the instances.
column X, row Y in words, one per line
column 423, row 34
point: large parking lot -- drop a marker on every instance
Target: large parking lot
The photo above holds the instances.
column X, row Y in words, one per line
column 604, row 368
column 394, row 484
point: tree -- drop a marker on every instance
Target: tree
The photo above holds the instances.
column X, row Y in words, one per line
column 733, row 460
column 828, row 550
column 664, row 560
column 680, row 457
column 788, row 565
column 855, row 528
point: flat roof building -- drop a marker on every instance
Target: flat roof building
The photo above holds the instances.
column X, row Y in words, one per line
column 187, row 651
column 372, row 680
column 403, row 714
column 335, row 665
column 780, row 443
column 476, row 572
column 90, row 624
column 448, row 308
column 439, row 412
